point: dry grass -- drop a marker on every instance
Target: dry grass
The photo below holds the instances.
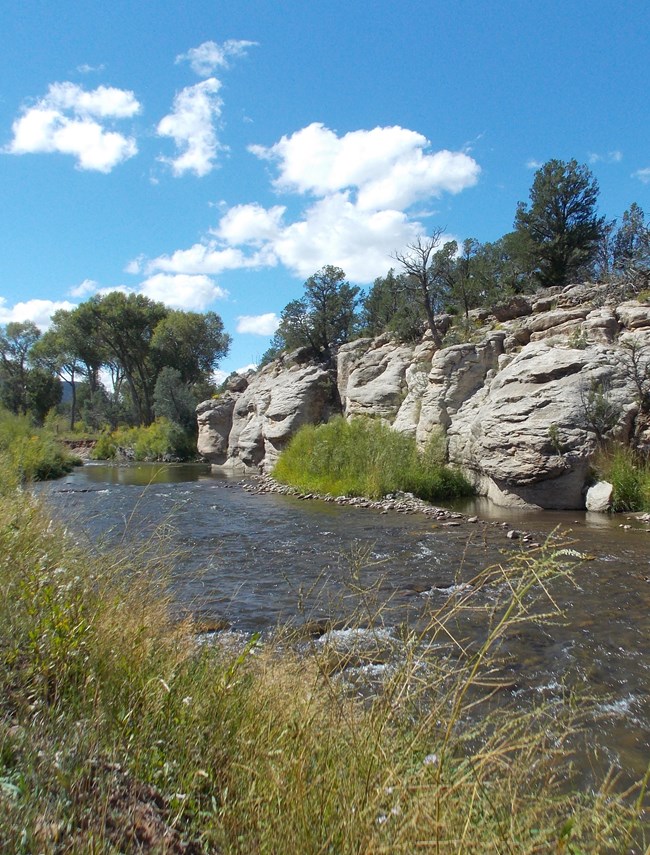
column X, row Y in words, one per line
column 120, row 733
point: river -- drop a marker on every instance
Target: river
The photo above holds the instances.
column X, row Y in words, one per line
column 253, row 562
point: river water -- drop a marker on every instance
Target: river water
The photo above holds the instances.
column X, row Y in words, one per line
column 253, row 562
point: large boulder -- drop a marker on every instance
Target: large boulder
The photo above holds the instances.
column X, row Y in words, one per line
column 246, row 432
column 214, row 418
column 528, row 436
column 372, row 376
column 599, row 497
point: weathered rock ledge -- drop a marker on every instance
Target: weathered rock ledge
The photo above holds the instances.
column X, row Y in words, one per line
column 522, row 402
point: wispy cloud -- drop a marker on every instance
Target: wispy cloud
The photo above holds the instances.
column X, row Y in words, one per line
column 643, row 175
column 609, row 157
column 208, row 56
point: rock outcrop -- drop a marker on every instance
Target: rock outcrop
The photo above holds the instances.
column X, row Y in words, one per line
column 248, row 426
column 523, row 402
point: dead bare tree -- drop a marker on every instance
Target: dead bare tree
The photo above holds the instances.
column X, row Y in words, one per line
column 416, row 263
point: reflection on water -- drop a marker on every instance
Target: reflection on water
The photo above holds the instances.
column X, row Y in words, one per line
column 143, row 474
column 257, row 561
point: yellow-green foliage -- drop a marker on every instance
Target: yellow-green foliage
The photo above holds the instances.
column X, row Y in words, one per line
column 364, row 457
column 629, row 474
column 154, row 442
column 28, row 453
column 117, row 727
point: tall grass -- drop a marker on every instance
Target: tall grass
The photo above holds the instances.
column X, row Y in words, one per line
column 629, row 474
column 119, row 732
column 364, row 457
column 28, row 453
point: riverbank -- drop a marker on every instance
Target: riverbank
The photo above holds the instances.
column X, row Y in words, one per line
column 120, row 731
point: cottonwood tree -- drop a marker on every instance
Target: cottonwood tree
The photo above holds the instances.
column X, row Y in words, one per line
column 54, row 352
column 561, row 220
column 16, row 341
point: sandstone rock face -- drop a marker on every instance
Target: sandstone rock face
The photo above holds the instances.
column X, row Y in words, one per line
column 247, row 431
column 214, row 418
column 371, row 377
column 522, row 403
column 455, row 375
column 528, row 437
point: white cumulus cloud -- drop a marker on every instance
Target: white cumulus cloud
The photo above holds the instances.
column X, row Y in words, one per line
column 72, row 120
column 251, row 224
column 388, row 167
column 191, row 125
column 88, row 286
column 182, row 291
column 360, row 189
column 258, row 324
column 643, row 175
column 336, row 231
column 38, row 311
column 207, row 258
column 209, row 56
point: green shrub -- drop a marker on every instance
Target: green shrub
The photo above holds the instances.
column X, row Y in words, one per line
column 364, row 457
column 629, row 475
column 29, row 453
column 158, row 441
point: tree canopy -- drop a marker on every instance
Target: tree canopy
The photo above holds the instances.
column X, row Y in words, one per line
column 561, row 221
column 134, row 338
column 322, row 320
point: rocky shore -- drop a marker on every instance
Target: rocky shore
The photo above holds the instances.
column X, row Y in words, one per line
column 399, row 503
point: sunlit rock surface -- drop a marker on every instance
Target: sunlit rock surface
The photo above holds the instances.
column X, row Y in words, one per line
column 523, row 401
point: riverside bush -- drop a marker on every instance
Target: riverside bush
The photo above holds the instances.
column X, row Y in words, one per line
column 629, row 474
column 119, row 732
column 28, row 453
column 364, row 457
column 160, row 440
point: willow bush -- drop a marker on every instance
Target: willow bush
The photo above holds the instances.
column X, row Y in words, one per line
column 29, row 453
column 163, row 439
column 364, row 457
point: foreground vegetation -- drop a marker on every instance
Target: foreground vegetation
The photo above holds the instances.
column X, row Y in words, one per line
column 364, row 457
column 120, row 732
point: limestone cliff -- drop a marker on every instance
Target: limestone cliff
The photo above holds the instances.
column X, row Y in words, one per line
column 521, row 401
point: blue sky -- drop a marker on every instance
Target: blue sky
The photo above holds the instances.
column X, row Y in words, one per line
column 214, row 154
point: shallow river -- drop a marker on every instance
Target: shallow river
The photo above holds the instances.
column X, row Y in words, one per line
column 255, row 561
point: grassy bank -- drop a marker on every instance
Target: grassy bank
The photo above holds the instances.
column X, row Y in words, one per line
column 120, row 733
column 364, row 457
column 28, row 453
